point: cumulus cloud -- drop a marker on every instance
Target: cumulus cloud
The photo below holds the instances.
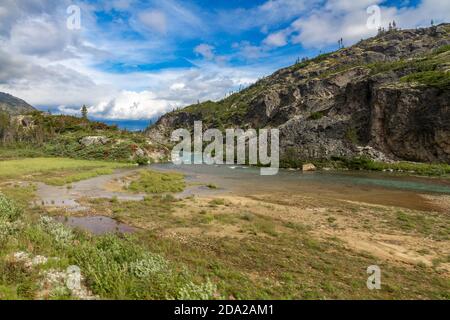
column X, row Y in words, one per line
column 27, row 37
column 51, row 67
column 132, row 105
column 347, row 19
column 277, row 39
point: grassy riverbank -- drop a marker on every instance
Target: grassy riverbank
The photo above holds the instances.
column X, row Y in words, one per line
column 56, row 171
column 361, row 163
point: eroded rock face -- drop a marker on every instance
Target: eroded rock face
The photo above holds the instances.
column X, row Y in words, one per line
column 353, row 102
column 411, row 123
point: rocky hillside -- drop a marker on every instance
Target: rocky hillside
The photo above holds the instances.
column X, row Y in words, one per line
column 13, row 105
column 387, row 97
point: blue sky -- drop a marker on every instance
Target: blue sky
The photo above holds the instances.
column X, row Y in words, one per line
column 134, row 59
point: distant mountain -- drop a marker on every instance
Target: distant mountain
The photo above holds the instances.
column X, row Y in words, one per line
column 387, row 96
column 13, row 105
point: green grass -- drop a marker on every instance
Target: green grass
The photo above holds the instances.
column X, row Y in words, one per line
column 157, row 182
column 443, row 49
column 56, row 171
column 20, row 152
column 429, row 225
column 438, row 79
column 418, row 168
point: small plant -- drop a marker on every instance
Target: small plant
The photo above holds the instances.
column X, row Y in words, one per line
column 149, row 265
column 316, row 115
column 142, row 161
column 352, row 135
column 192, row 291
column 59, row 232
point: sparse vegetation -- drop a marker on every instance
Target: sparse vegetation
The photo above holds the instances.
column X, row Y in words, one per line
column 158, row 182
column 352, row 135
column 56, row 171
column 438, row 79
column 38, row 134
column 316, row 115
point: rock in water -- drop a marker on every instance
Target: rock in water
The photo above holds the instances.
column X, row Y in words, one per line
column 309, row 167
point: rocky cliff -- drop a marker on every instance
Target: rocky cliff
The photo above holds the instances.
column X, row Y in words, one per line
column 387, row 97
column 13, row 105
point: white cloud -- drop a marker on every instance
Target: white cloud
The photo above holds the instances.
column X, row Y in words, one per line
column 121, row 4
column 347, row 19
column 177, row 86
column 277, row 39
column 155, row 20
column 132, row 105
column 249, row 51
column 205, row 50
column 45, row 64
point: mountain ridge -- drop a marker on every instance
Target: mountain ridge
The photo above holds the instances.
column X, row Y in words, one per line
column 388, row 94
column 14, row 105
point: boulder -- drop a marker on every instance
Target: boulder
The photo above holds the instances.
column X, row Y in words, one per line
column 139, row 152
column 309, row 167
column 94, row 140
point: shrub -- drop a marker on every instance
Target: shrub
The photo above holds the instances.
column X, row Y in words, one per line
column 192, row 291
column 142, row 161
column 290, row 159
column 61, row 234
column 149, row 265
column 8, row 209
